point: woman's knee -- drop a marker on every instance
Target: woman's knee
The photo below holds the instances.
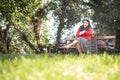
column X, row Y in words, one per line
column 76, row 41
column 77, row 44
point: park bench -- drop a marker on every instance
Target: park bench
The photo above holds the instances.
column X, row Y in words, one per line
column 94, row 45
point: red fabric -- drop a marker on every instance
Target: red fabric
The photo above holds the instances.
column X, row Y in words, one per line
column 87, row 35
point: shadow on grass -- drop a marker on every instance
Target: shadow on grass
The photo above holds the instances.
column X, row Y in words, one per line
column 15, row 56
column 9, row 57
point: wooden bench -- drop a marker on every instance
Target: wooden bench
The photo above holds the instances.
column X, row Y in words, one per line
column 106, row 39
column 93, row 45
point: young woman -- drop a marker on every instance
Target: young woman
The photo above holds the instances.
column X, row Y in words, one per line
column 83, row 34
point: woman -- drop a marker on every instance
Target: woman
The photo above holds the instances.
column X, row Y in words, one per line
column 83, row 34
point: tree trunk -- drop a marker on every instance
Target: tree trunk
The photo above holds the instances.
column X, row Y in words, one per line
column 7, row 38
column 37, row 31
column 59, row 30
column 59, row 33
column 29, row 43
column 117, row 47
column 36, row 24
column 118, row 39
column 24, row 37
column 1, row 35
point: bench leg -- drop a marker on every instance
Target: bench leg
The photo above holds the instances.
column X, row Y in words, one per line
column 79, row 48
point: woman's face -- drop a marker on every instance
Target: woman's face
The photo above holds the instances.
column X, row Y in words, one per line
column 85, row 23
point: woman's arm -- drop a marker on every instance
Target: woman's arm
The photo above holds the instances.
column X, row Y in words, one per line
column 78, row 33
column 89, row 32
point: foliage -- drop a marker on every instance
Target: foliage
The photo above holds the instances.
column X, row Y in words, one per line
column 67, row 14
column 22, row 22
column 59, row 67
column 16, row 24
column 106, row 15
column 22, row 25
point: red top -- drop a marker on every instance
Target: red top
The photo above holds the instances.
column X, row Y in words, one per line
column 87, row 35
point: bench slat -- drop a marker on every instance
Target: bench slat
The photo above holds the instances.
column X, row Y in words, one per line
column 69, row 39
column 104, row 37
column 95, row 37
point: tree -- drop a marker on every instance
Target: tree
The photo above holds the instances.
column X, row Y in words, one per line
column 67, row 13
column 44, row 35
column 21, row 16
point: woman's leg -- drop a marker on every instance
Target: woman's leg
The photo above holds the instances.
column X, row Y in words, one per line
column 79, row 48
column 80, row 44
column 71, row 44
column 83, row 44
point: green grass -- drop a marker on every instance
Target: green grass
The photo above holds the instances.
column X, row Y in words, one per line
column 59, row 67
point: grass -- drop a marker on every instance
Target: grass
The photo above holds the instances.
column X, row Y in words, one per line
column 59, row 67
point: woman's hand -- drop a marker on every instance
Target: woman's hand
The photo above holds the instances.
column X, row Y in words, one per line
column 82, row 32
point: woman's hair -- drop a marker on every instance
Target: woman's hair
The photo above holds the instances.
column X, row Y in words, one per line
column 86, row 20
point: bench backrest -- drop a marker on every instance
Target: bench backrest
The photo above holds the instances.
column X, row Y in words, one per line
column 104, row 37
column 95, row 37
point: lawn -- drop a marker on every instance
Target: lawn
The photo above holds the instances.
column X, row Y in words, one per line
column 59, row 67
